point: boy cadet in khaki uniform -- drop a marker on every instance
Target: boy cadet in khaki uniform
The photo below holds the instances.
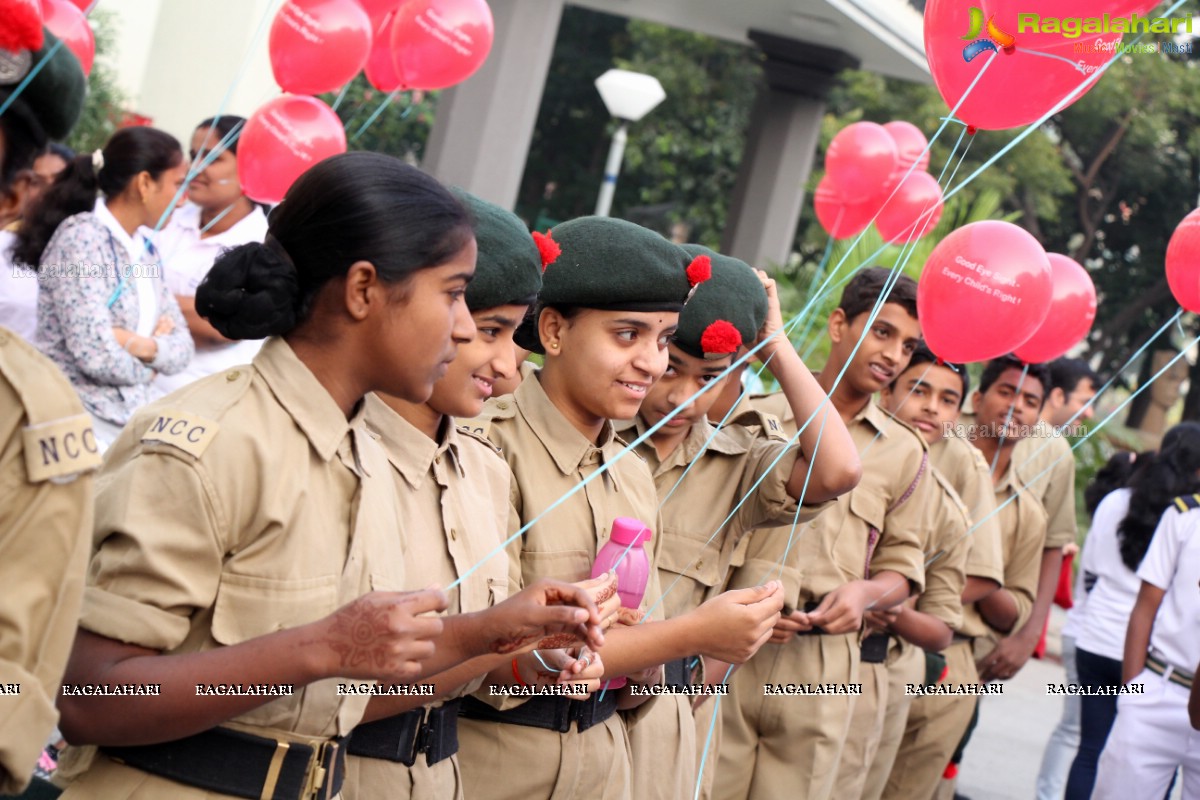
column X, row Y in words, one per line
column 1046, row 463
column 935, row 723
column 246, row 544
column 1004, row 396
column 452, row 489
column 47, row 448
column 927, row 396
column 864, row 552
column 704, row 516
column 609, row 305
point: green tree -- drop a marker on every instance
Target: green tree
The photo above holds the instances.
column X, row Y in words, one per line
column 401, row 121
column 103, row 111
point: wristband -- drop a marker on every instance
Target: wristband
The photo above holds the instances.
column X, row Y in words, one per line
column 517, row 673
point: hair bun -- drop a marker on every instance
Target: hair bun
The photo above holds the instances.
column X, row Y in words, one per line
column 251, row 292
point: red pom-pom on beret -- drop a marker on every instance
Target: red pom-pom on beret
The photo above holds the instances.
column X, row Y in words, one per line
column 547, row 248
column 22, row 26
column 699, row 270
column 720, row 337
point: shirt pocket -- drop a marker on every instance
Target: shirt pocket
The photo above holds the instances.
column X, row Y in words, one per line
column 248, row 606
column 867, row 512
column 694, row 558
column 563, row 565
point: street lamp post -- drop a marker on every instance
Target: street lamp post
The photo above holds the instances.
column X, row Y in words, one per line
column 629, row 96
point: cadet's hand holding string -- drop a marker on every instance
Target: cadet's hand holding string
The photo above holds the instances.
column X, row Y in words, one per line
column 380, row 635
column 737, row 623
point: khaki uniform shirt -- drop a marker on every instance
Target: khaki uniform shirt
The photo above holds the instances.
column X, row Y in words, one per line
column 241, row 505
column 833, row 549
column 968, row 472
column 945, row 554
column 1023, row 533
column 47, row 450
column 1055, row 490
column 749, row 458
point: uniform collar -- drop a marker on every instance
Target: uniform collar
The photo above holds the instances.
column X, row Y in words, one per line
column 131, row 243
column 693, row 445
column 567, row 446
column 408, row 449
column 303, row 397
column 251, row 227
column 874, row 416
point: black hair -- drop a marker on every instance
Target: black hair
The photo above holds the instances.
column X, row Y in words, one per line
column 59, row 149
column 923, row 355
column 1068, row 373
column 864, row 289
column 1116, row 473
column 1171, row 474
column 223, row 126
column 130, row 152
column 997, row 366
column 351, row 207
column 23, row 142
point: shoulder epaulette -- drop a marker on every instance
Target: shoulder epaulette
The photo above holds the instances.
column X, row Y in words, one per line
column 770, row 424
column 1187, row 502
column 477, row 432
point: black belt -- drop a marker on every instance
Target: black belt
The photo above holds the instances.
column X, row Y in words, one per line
column 875, row 648
column 678, row 673
column 809, row 607
column 550, row 713
column 244, row 765
column 405, row 736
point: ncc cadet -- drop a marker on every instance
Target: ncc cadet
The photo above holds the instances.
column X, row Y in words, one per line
column 452, row 490
column 864, row 552
column 47, row 447
column 703, row 512
column 927, row 396
column 1006, row 405
column 1046, row 463
column 609, row 305
column 246, row 542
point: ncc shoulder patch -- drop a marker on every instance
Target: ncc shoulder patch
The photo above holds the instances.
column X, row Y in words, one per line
column 181, row 429
column 473, row 433
column 61, row 449
column 1187, row 502
column 770, row 424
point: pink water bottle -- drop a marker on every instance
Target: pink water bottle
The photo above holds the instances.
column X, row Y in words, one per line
column 625, row 552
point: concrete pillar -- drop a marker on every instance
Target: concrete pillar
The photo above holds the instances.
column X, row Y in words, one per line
column 484, row 126
column 785, row 129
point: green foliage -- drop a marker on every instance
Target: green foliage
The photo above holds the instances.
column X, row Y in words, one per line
column 402, row 127
column 103, row 109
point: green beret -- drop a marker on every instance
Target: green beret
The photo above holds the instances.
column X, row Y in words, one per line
column 508, row 269
column 50, row 104
column 726, row 311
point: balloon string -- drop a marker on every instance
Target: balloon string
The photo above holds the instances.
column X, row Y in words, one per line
column 1008, row 418
column 712, row 723
column 217, row 218
column 387, row 101
column 341, row 95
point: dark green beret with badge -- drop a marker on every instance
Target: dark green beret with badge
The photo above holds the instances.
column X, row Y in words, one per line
column 612, row 265
column 508, row 269
column 50, row 104
column 725, row 312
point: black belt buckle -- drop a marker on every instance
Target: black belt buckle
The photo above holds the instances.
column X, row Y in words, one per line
column 875, row 648
column 678, row 674
column 816, row 630
column 327, row 769
column 438, row 737
column 390, row 739
column 592, row 712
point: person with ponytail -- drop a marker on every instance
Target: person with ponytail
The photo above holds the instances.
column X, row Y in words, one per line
column 248, row 561
column 105, row 317
column 217, row 216
column 1123, row 528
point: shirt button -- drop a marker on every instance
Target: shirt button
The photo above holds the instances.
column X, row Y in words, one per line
column 453, row 534
column 700, row 564
column 502, row 406
column 233, row 376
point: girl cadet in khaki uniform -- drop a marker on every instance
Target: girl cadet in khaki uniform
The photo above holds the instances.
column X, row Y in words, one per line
column 704, row 516
column 47, row 446
column 246, row 549
column 453, row 490
column 608, row 306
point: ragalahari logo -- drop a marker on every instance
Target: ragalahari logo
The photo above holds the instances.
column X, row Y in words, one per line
column 996, row 39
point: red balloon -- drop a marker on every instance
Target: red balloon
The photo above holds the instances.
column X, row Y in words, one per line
column 378, row 9
column 318, row 45
column 910, row 145
column 381, row 67
column 438, row 43
column 1029, row 72
column 860, row 160
column 983, row 292
column 283, row 138
column 840, row 219
column 1072, row 310
column 83, row 5
column 1183, row 262
column 913, row 210
column 69, row 24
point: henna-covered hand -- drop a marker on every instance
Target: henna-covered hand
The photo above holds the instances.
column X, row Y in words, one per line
column 545, row 611
column 380, row 635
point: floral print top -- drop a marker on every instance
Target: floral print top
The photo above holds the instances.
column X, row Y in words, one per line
column 79, row 272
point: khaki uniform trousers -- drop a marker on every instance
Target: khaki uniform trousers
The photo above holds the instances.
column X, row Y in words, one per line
column 866, row 727
column 936, row 724
column 516, row 762
column 787, row 746
column 662, row 743
column 375, row 779
column 707, row 717
column 906, row 664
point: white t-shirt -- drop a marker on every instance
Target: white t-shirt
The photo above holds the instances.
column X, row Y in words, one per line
column 186, row 259
column 18, row 291
column 1105, row 617
column 1173, row 564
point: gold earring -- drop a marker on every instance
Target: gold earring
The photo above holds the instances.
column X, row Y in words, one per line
column 554, row 345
